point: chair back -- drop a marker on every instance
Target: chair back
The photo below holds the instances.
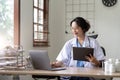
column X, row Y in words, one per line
column 103, row 49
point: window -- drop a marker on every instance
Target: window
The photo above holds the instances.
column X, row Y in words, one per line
column 9, row 22
column 40, row 24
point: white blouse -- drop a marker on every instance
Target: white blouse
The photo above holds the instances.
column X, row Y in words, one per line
column 66, row 54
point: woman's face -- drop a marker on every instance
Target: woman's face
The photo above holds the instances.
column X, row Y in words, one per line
column 76, row 30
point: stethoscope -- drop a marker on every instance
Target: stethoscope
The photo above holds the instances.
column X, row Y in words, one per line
column 78, row 44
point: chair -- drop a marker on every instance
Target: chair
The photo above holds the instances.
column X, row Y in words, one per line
column 103, row 49
column 36, row 77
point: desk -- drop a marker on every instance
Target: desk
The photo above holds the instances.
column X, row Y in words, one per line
column 70, row 71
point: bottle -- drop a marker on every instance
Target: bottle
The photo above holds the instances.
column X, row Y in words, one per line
column 117, row 64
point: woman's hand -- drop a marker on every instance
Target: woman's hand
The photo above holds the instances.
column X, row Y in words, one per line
column 93, row 60
column 57, row 64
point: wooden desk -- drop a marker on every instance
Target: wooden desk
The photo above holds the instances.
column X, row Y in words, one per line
column 71, row 71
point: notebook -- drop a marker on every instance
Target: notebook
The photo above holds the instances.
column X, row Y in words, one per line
column 40, row 60
column 79, row 53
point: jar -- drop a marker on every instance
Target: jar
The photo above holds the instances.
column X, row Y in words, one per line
column 106, row 66
column 112, row 68
column 109, row 67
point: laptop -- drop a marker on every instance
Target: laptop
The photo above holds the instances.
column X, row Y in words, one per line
column 79, row 53
column 40, row 60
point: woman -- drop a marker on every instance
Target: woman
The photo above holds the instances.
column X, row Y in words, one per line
column 79, row 28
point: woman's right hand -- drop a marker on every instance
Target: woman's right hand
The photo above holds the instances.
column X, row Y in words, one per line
column 57, row 64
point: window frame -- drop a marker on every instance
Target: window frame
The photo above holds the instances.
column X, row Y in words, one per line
column 38, row 42
column 16, row 22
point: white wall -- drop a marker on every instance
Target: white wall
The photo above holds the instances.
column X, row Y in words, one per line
column 26, row 33
column 107, row 22
column 56, row 27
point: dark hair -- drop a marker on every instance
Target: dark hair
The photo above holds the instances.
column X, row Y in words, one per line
column 81, row 22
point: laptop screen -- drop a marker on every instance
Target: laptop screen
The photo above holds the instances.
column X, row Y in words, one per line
column 40, row 59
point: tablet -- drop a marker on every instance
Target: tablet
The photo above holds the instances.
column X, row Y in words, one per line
column 79, row 53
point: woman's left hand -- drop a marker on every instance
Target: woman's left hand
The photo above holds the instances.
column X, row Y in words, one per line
column 93, row 60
